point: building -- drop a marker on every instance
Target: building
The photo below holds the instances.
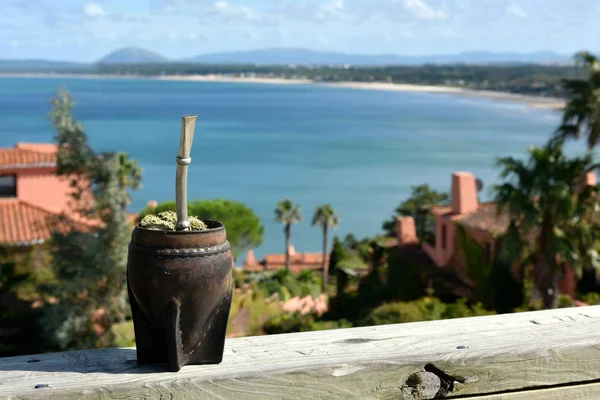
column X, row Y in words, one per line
column 480, row 221
column 31, row 194
column 298, row 261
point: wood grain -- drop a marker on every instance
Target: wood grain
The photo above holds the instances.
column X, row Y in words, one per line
column 470, row 356
column 579, row 392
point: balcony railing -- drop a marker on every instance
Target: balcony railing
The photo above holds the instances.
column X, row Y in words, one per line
column 551, row 354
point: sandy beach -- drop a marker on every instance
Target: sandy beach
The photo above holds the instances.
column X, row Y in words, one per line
column 529, row 101
column 224, row 78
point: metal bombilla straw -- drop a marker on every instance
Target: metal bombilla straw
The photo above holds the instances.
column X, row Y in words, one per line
column 188, row 124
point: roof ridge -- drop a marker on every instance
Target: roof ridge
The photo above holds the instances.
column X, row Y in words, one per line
column 77, row 220
column 37, row 207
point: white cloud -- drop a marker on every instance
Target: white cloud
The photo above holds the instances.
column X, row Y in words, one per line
column 233, row 12
column 334, row 8
column 93, row 10
column 517, row 11
column 421, row 10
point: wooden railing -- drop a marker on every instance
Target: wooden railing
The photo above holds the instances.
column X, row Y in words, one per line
column 536, row 355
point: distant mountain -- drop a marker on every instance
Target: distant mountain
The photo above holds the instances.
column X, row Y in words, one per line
column 286, row 56
column 132, row 55
column 312, row 57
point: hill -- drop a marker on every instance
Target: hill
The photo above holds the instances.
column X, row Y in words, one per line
column 285, row 56
column 132, row 55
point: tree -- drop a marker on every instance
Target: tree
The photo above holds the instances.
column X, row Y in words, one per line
column 287, row 213
column 416, row 206
column 337, row 253
column 90, row 262
column 326, row 217
column 581, row 116
column 244, row 229
column 550, row 214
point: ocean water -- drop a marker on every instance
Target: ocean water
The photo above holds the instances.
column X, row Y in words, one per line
column 358, row 150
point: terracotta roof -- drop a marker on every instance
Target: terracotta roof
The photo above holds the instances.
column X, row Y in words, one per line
column 298, row 258
column 440, row 209
column 275, row 259
column 298, row 262
column 40, row 147
column 23, row 224
column 28, row 155
column 486, row 219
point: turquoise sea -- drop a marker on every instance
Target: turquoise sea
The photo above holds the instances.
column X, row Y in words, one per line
column 359, row 150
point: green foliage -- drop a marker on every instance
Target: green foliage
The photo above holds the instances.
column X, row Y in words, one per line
column 326, row 217
column 495, row 285
column 591, row 298
column 565, row 301
column 284, row 283
column 244, row 229
column 425, row 309
column 416, row 206
column 394, row 313
column 124, row 335
column 239, row 277
column 361, row 247
column 288, row 322
column 581, row 116
column 250, row 308
column 545, row 199
column 287, row 213
column 337, row 253
column 351, row 263
column 89, row 266
column 460, row 309
column 16, row 324
column 406, row 277
column 297, row 322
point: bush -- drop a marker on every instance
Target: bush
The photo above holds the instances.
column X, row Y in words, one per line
column 325, row 325
column 288, row 323
column 461, row 309
column 591, row 298
column 565, row 301
column 297, row 322
column 394, row 313
column 249, row 309
column 425, row 309
column 287, row 284
column 239, row 277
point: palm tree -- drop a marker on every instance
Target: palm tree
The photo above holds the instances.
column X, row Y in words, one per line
column 326, row 217
column 550, row 214
column 287, row 213
column 581, row 116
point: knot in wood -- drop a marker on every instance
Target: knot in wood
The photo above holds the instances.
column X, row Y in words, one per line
column 421, row 385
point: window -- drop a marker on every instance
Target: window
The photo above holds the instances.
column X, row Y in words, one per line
column 444, row 236
column 8, row 186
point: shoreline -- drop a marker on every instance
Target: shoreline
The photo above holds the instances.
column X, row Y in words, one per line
column 530, row 101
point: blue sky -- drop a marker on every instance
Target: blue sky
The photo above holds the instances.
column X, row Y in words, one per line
column 87, row 30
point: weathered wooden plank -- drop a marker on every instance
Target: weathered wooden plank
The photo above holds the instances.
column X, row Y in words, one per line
column 470, row 356
column 577, row 392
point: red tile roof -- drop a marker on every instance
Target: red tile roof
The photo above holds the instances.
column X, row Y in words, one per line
column 28, row 155
column 486, row 218
column 298, row 262
column 23, row 224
